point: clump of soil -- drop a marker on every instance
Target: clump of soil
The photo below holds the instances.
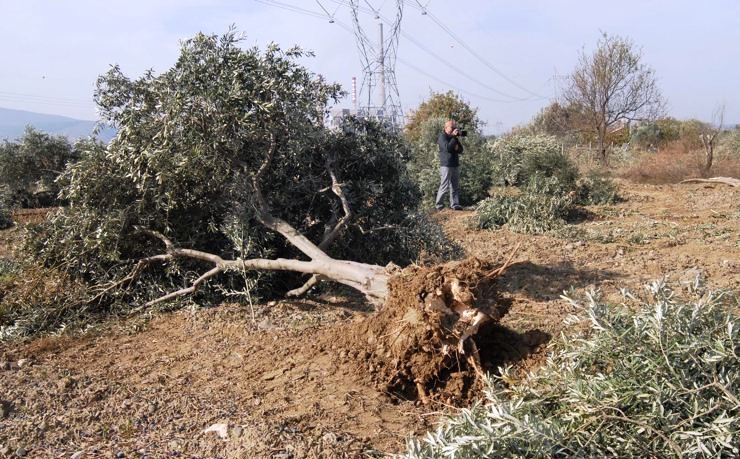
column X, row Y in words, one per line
column 423, row 344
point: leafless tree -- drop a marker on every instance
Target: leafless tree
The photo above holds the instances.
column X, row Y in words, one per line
column 708, row 137
column 612, row 86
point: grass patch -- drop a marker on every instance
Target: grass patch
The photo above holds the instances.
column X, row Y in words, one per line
column 675, row 163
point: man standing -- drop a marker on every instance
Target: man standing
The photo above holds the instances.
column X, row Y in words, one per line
column 450, row 149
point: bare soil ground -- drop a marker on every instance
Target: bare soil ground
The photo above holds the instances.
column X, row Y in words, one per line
column 277, row 380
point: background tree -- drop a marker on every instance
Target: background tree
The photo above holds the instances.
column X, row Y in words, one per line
column 656, row 134
column 30, row 166
column 708, row 137
column 557, row 120
column 612, row 85
column 441, row 105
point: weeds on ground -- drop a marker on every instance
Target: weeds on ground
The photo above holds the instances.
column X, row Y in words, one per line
column 675, row 163
column 654, row 377
column 36, row 299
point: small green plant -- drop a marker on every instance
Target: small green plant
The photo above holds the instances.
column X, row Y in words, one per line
column 596, row 190
column 638, row 239
column 655, row 377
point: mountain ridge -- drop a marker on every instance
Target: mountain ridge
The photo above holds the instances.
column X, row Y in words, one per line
column 13, row 124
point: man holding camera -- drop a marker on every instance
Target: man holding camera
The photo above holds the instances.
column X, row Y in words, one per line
column 450, row 149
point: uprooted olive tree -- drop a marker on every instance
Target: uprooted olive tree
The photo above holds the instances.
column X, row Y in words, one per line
column 222, row 178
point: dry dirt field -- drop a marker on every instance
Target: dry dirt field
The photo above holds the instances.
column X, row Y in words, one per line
column 275, row 381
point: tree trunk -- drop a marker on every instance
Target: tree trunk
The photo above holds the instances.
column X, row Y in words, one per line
column 602, row 145
column 708, row 142
column 370, row 280
column 430, row 340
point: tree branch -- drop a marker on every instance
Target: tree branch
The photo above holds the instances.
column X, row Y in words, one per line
column 336, row 188
column 371, row 280
column 193, row 287
column 338, row 224
column 300, row 291
column 144, row 262
column 278, row 225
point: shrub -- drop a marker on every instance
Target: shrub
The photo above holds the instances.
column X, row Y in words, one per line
column 657, row 377
column 595, row 189
column 516, row 158
column 534, row 210
column 729, row 145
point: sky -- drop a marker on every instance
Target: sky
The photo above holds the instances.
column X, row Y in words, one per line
column 507, row 58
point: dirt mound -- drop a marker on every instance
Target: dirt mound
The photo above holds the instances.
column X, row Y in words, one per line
column 436, row 335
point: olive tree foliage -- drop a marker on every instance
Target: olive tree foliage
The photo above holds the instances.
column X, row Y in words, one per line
column 612, row 85
column 30, row 166
column 517, row 158
column 545, row 186
column 223, row 161
column 655, row 377
column 441, row 105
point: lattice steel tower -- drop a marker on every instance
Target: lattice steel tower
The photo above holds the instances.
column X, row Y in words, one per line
column 378, row 95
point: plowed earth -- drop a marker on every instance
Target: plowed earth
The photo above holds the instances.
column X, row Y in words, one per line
column 295, row 379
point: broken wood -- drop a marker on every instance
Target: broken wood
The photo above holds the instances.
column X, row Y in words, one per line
column 725, row 180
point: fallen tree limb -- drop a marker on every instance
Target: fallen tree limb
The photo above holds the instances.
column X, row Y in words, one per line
column 725, row 180
column 371, row 280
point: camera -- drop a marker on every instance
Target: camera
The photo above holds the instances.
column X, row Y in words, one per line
column 462, row 133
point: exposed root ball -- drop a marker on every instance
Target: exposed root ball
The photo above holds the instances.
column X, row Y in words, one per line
column 420, row 345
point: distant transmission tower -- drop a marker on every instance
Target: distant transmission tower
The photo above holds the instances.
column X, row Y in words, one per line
column 379, row 90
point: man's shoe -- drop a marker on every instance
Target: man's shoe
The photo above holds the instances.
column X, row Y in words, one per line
column 457, row 207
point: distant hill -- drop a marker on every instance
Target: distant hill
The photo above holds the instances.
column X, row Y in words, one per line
column 13, row 123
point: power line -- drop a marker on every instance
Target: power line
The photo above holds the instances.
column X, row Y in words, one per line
column 289, row 7
column 437, row 79
column 458, row 70
column 453, row 68
column 366, row 42
column 426, row 12
column 45, row 100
